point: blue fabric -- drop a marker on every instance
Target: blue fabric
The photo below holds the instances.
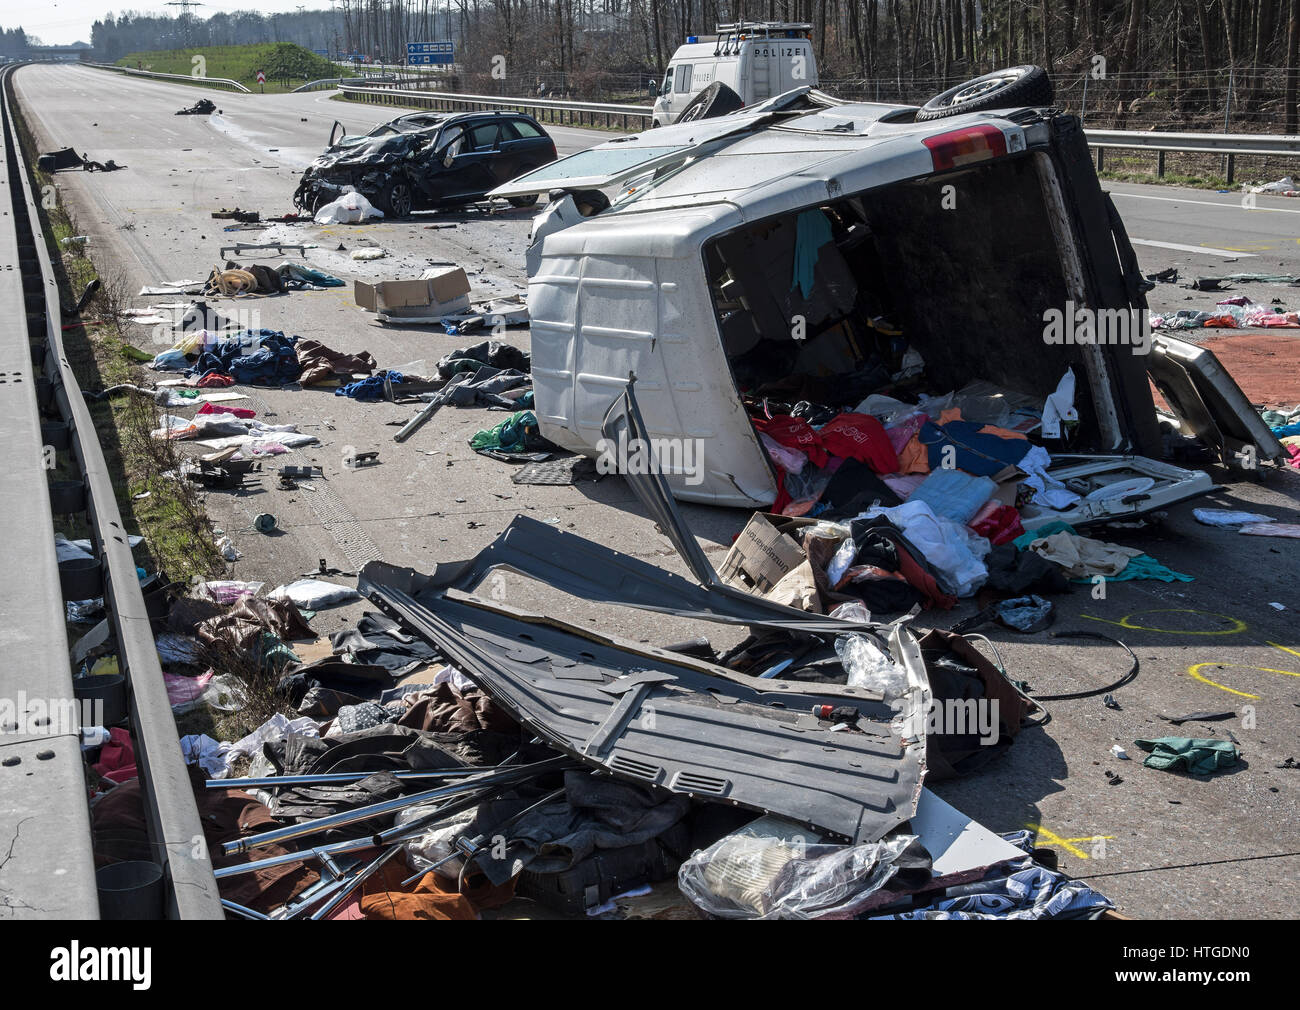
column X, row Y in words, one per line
column 1023, row 541
column 954, row 494
column 976, row 453
column 369, row 388
column 1034, row 892
column 1144, row 566
column 172, row 360
column 1287, row 429
column 274, row 363
column 812, row 231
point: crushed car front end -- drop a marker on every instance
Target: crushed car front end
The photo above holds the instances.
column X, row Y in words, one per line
column 369, row 168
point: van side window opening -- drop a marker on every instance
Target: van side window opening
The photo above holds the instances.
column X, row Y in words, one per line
column 525, row 128
column 668, row 82
column 684, row 78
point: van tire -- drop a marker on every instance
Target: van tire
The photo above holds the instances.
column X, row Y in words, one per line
column 715, row 100
column 1014, row 87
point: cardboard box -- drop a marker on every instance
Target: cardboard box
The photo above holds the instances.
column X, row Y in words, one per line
column 762, row 554
column 440, row 292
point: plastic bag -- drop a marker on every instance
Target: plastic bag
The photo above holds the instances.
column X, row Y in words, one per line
column 854, row 610
column 436, row 843
column 313, row 594
column 765, row 877
column 1224, row 517
column 870, row 666
column 350, row 208
column 227, row 592
column 841, row 561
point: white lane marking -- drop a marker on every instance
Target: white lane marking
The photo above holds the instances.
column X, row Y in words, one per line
column 1206, row 203
column 1206, row 249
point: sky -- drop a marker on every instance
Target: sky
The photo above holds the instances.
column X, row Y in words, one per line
column 62, row 22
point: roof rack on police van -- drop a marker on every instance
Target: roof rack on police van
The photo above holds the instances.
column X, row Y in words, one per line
column 731, row 34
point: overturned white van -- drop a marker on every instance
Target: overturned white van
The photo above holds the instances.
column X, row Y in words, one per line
column 807, row 245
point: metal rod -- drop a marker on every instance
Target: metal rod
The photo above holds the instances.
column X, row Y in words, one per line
column 354, row 883
column 247, row 913
column 330, row 778
column 346, row 817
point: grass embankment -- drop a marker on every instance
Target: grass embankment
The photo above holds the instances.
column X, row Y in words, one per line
column 285, row 65
column 166, row 512
column 169, row 517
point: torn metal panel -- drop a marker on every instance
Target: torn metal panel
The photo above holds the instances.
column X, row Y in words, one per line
column 661, row 719
column 590, row 571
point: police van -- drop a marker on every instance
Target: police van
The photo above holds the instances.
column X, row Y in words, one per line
column 755, row 59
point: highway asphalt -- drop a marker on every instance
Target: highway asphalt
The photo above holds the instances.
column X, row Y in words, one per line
column 1158, row 843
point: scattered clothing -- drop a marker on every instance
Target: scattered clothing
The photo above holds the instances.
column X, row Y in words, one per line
column 1199, row 757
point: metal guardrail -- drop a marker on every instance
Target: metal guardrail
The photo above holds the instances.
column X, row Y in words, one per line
column 1230, row 145
column 49, row 871
column 334, row 82
column 548, row 109
column 211, row 82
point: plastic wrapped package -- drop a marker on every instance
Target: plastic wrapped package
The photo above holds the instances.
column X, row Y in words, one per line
column 870, row 666
column 744, row 876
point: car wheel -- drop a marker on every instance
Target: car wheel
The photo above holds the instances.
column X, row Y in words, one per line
column 396, row 200
column 523, row 201
column 715, row 100
column 1011, row 88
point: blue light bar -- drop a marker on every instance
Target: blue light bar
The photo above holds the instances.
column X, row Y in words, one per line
column 692, row 39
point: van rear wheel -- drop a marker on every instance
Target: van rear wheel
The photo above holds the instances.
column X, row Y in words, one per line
column 1011, row 88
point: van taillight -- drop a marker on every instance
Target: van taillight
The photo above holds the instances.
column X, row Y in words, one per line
column 965, row 146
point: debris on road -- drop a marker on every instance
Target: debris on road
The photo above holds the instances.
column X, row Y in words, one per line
column 1198, row 757
column 203, row 107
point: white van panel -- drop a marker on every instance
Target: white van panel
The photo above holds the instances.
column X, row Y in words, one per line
column 647, row 312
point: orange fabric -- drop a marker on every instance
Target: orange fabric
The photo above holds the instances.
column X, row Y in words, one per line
column 992, row 429
column 951, row 414
column 914, row 457
column 433, row 897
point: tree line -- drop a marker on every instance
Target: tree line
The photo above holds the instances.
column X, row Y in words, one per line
column 1195, row 56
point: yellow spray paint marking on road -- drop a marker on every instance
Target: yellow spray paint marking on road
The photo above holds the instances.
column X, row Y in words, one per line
column 1126, row 621
column 1194, row 671
column 1066, row 843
